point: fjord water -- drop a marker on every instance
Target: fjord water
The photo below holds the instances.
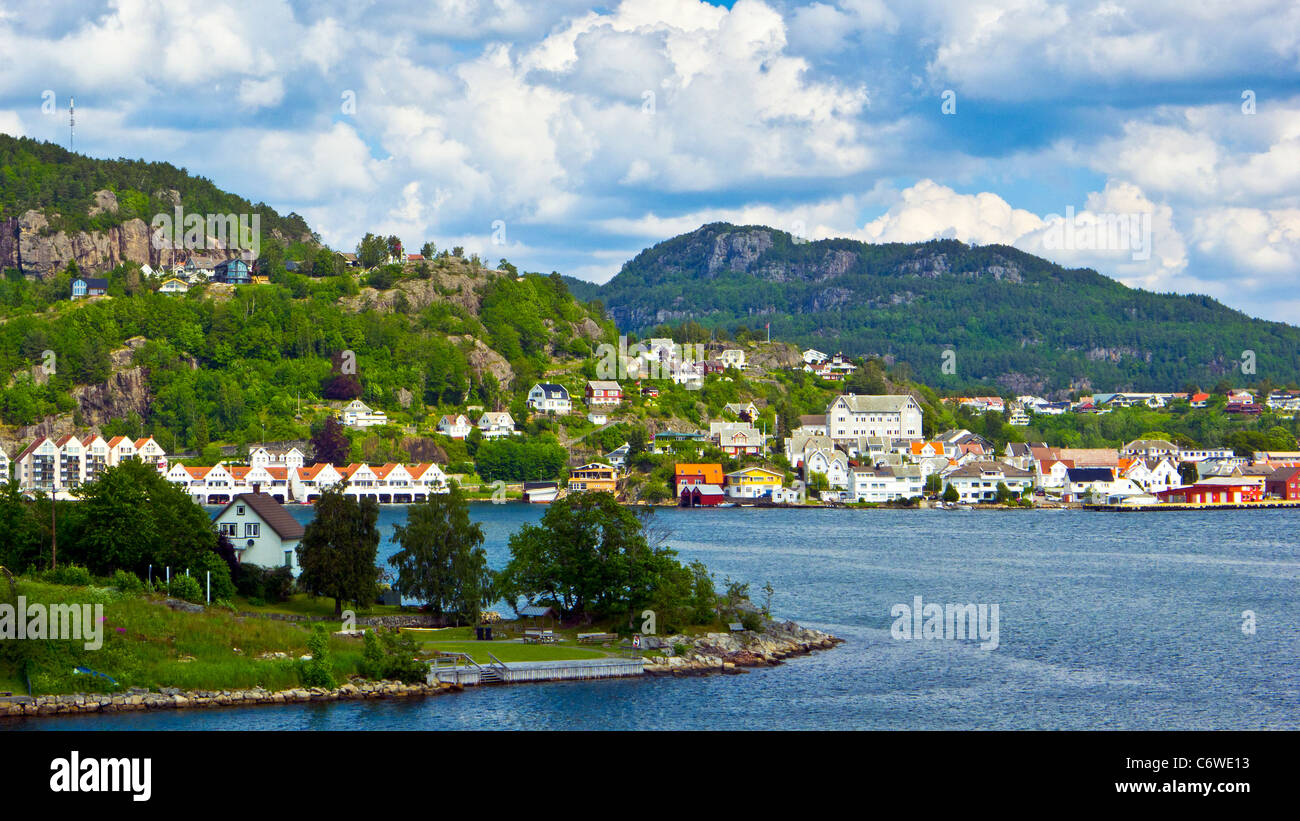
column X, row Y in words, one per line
column 1107, row 621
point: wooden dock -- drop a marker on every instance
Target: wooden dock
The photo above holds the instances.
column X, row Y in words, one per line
column 526, row 671
column 1268, row 504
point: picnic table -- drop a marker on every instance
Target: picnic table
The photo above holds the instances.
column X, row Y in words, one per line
column 536, row 636
column 596, row 638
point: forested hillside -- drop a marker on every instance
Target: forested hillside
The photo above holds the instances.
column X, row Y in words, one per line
column 1012, row 320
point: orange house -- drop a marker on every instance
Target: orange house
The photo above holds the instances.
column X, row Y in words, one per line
column 686, row 474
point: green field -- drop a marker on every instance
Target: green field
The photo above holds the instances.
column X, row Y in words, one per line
column 147, row 644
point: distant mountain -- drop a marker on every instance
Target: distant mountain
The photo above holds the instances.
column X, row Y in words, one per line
column 1011, row 318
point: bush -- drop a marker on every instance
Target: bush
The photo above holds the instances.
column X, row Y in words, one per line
column 751, row 620
column 70, row 574
column 261, row 585
column 186, row 588
column 317, row 671
column 390, row 654
column 128, row 582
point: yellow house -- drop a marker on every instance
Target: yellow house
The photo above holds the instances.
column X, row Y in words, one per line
column 753, row 483
column 593, row 477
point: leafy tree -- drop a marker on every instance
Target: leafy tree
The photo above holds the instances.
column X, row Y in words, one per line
column 950, row 494
column 337, row 551
column 330, row 444
column 318, row 671
column 591, row 556
column 441, row 560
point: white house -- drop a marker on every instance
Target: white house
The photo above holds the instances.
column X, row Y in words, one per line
column 4, row 465
column 812, row 356
column 96, row 456
column 266, row 457
column 978, row 481
column 38, row 465
column 733, row 358
column 262, row 531
column 357, row 414
column 120, row 449
column 173, row 285
column 832, row 463
column 495, row 424
column 455, row 425
column 427, row 478
column 306, row 483
column 884, row 484
column 851, row 416
column 150, row 452
column 547, row 397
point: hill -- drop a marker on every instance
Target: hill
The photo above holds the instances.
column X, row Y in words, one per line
column 57, row 206
column 1013, row 320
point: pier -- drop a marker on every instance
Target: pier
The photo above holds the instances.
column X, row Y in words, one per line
column 1269, row 504
column 465, row 671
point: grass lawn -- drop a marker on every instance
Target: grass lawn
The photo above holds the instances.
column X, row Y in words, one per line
column 147, row 644
column 301, row 604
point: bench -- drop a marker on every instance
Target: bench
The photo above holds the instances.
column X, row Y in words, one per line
column 596, row 638
column 535, row 636
column 736, row 627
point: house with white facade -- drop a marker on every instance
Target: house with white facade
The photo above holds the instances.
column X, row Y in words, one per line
column 262, row 531
column 733, row 358
column 426, row 478
column 548, row 397
column 150, row 452
column 95, row 448
column 307, row 483
column 737, row 437
column 120, row 449
column 267, row 457
column 5, row 465
column 832, row 463
column 37, row 466
column 455, row 425
column 978, row 481
column 884, row 484
column 851, row 416
column 357, row 414
column 495, row 424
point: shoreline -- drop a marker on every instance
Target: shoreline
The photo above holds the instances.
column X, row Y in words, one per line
column 710, row 654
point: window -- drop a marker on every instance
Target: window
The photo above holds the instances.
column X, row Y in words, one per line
column 229, row 529
column 239, row 510
column 288, row 558
column 252, row 529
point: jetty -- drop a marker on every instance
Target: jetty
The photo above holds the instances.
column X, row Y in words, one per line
column 1268, row 504
column 462, row 670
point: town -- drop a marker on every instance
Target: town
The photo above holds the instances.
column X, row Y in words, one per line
column 862, row 450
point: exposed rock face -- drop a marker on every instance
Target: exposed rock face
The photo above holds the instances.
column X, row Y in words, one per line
column 25, row 242
column 483, row 359
column 105, row 201
column 738, row 251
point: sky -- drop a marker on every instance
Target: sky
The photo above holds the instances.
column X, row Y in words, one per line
column 565, row 136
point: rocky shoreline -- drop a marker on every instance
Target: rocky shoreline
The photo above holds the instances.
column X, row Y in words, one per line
column 710, row 654
column 730, row 653
column 174, row 699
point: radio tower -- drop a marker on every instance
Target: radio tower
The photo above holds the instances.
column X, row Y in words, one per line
column 72, row 123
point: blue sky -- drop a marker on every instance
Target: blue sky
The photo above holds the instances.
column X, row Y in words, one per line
column 591, row 132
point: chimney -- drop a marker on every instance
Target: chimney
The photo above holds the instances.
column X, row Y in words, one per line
column 257, row 487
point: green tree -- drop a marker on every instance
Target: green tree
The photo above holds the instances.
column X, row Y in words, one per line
column 337, row 551
column 950, row 494
column 441, row 561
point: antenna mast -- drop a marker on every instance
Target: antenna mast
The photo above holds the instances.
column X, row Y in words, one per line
column 72, row 123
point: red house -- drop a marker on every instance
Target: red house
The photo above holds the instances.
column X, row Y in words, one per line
column 1284, row 484
column 604, row 392
column 1213, row 492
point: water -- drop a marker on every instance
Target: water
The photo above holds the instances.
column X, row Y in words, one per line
column 1108, row 621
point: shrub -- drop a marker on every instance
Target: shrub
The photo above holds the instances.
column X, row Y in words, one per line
column 390, row 654
column 70, row 574
column 317, row 671
column 187, row 588
column 260, row 585
column 128, row 582
column 751, row 620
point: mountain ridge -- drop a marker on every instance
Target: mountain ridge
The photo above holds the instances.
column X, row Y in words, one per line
column 1012, row 319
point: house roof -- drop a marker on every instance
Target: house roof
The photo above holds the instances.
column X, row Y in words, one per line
column 977, row 469
column 1090, row 474
column 270, row 511
column 887, row 403
column 1091, row 457
column 93, row 282
column 712, row 473
column 813, row 420
column 552, row 390
column 33, row 446
column 603, row 385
